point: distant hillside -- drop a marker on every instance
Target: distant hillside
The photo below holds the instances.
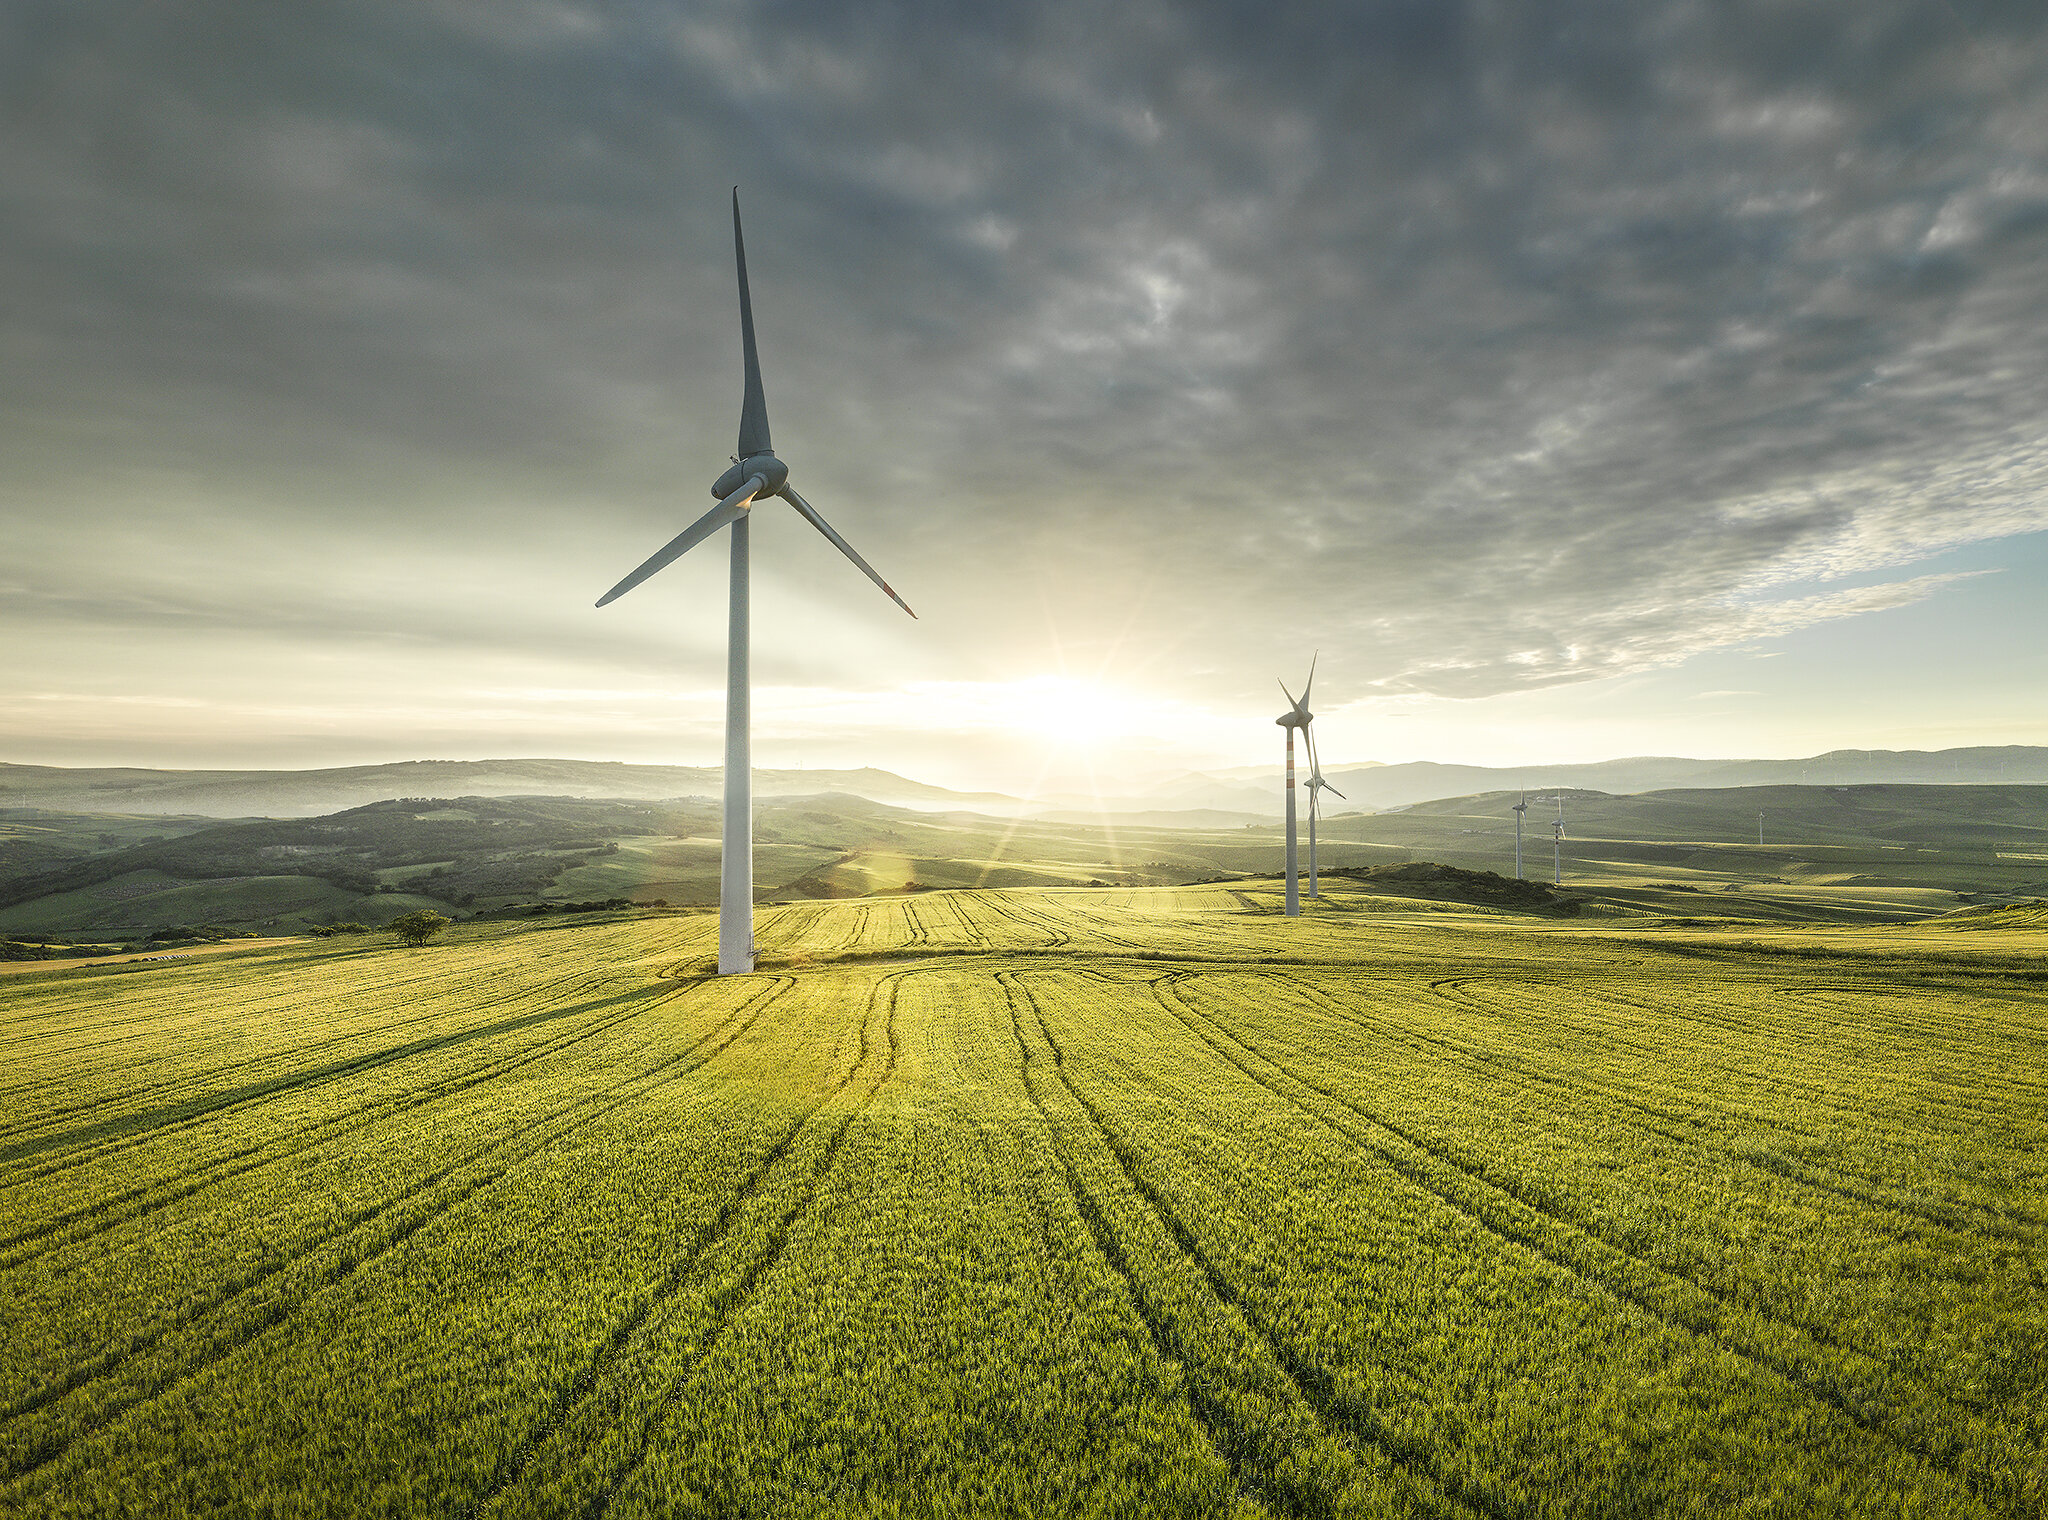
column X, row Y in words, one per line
column 1192, row 799
column 305, row 794
column 1259, row 790
column 1981, row 839
column 1880, row 853
column 106, row 877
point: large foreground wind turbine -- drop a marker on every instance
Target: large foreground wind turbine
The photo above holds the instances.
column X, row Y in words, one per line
column 755, row 475
column 1297, row 716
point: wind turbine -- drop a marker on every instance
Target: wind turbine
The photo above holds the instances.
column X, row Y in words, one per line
column 1521, row 808
column 1316, row 786
column 1297, row 716
column 1557, row 845
column 755, row 475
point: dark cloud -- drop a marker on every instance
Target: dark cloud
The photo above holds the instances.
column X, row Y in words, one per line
column 1493, row 346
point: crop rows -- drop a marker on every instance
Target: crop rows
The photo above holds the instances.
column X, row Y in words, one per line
column 1026, row 1202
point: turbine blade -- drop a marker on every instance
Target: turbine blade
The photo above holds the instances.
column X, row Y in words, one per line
column 1316, row 783
column 789, row 495
column 726, row 511
column 1311, row 673
column 1289, row 696
column 754, row 407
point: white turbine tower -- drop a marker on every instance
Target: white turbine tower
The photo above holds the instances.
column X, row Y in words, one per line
column 755, row 475
column 1297, row 716
column 1316, row 787
column 1521, row 808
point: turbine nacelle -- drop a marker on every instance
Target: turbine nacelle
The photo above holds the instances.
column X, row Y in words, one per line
column 1297, row 714
column 773, row 472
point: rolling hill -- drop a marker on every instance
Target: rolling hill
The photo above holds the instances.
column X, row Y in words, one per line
column 1257, row 789
column 307, row 793
column 1903, row 851
column 1247, row 791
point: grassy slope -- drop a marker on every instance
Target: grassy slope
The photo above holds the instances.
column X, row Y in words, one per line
column 1066, row 1202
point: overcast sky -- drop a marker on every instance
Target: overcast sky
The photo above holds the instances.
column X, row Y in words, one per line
column 1580, row 379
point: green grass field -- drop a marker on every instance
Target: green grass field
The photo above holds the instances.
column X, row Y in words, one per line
column 1038, row 1202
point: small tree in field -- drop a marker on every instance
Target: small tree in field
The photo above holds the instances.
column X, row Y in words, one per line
column 418, row 928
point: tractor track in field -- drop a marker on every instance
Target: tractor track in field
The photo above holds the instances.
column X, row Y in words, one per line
column 792, row 923
column 727, row 1307
column 985, row 919
column 920, row 930
column 972, row 938
column 1957, row 1216
column 1056, row 938
column 1315, row 998
column 1975, row 1101
column 1929, row 1034
column 1096, row 922
column 1310, row 1388
column 1934, row 1031
column 148, row 1015
column 575, row 1393
column 410, row 1210
column 161, row 1090
column 1093, row 926
column 1701, row 1322
column 24, row 1023
column 162, row 1193
column 1649, row 1054
column 889, row 928
column 83, row 1223
column 979, row 911
column 96, row 1142
column 317, row 1132
column 973, row 928
column 1235, row 1447
column 1953, row 1216
column 851, row 940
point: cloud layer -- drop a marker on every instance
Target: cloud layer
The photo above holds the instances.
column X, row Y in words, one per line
column 1486, row 346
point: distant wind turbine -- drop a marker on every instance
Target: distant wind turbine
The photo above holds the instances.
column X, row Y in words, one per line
column 1557, row 845
column 755, row 474
column 1521, row 808
column 1297, row 716
column 1316, row 787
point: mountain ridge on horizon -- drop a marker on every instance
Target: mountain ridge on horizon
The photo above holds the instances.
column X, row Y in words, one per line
column 319, row 789
column 1372, row 784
